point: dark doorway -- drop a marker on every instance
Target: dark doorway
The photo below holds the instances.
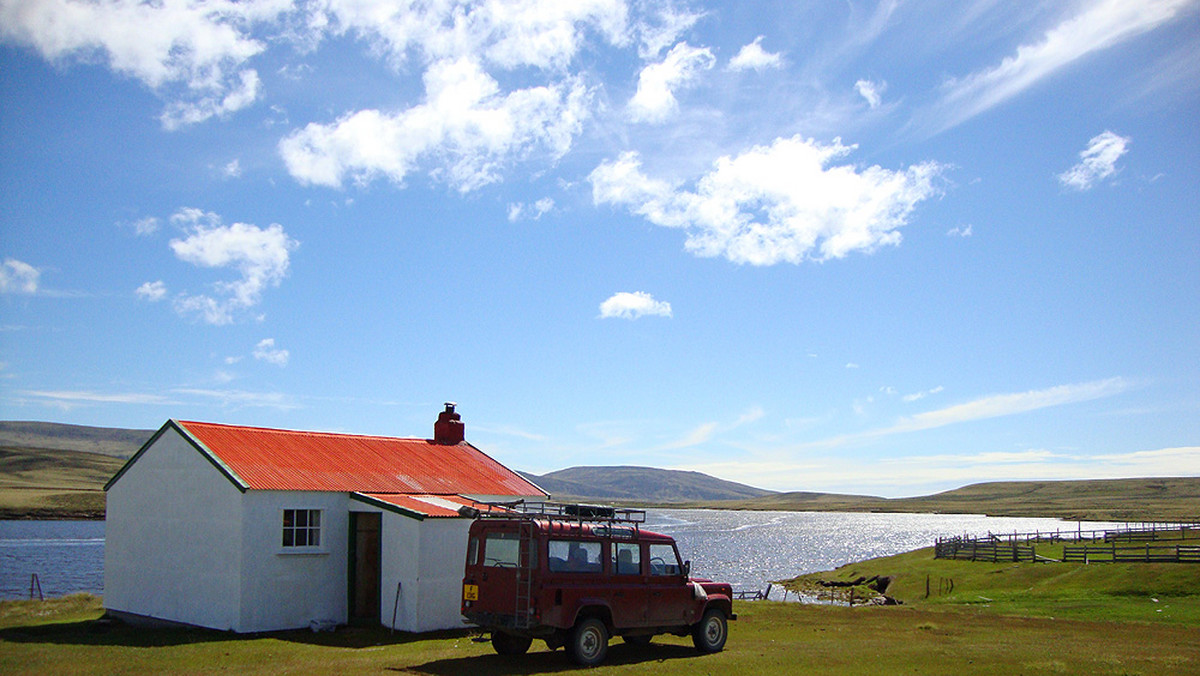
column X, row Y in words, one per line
column 365, row 560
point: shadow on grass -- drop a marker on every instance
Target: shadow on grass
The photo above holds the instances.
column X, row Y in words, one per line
column 546, row 662
column 103, row 632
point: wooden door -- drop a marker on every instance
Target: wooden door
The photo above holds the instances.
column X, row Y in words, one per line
column 365, row 562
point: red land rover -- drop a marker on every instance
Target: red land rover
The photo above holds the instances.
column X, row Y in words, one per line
column 574, row 575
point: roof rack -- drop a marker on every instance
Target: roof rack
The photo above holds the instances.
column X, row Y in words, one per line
column 555, row 511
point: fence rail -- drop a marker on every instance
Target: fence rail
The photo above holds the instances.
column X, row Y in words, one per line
column 1142, row 554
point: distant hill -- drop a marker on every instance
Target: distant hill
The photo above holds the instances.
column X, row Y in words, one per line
column 1151, row 499
column 646, row 484
column 116, row 442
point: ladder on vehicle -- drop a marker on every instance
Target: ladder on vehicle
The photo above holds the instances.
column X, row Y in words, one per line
column 526, row 562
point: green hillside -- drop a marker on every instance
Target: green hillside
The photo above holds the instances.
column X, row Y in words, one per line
column 1150, row 499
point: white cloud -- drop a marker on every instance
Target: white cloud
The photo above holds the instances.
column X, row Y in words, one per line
column 871, row 91
column 753, row 56
column 1096, row 162
column 519, row 210
column 18, row 277
column 233, row 169
column 625, row 305
column 917, row 396
column 663, row 28
column 152, row 291
column 260, row 255
column 145, row 226
column 778, row 203
column 544, row 34
column 266, row 351
column 191, row 52
column 655, row 98
column 1099, row 26
column 466, row 129
column 960, row 231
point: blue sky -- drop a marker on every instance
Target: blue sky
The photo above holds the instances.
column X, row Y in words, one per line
column 884, row 248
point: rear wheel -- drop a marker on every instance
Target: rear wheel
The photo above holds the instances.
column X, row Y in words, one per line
column 510, row 644
column 589, row 643
column 710, row 632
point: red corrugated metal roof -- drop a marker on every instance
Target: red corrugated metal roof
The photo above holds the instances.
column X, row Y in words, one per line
column 269, row 459
column 427, row 505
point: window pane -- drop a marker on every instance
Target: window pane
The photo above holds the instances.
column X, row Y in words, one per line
column 288, row 537
column 572, row 556
column 627, row 558
column 289, row 518
column 500, row 549
column 314, row 518
column 663, row 560
column 301, row 518
column 314, row 537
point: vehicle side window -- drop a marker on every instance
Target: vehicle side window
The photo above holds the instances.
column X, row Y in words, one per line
column 473, row 551
column 626, row 558
column 573, row 556
column 663, row 561
column 500, row 550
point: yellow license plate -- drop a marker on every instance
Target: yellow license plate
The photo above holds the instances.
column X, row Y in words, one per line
column 470, row 592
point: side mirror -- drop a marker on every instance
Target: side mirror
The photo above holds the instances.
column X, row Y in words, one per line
column 687, row 568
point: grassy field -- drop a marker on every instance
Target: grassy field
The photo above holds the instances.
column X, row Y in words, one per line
column 62, row 637
column 38, row 483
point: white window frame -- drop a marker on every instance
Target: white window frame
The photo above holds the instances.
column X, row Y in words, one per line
column 308, row 529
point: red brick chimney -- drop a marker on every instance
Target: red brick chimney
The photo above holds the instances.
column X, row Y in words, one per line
column 449, row 429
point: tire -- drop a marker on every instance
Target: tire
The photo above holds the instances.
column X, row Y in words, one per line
column 510, row 644
column 589, row 642
column 710, row 632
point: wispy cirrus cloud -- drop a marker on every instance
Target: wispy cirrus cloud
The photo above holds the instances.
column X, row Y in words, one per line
column 993, row 406
column 1098, row 26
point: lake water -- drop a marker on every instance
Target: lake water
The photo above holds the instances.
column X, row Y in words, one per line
column 747, row 549
column 67, row 556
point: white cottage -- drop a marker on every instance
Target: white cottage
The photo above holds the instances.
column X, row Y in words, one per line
column 249, row 529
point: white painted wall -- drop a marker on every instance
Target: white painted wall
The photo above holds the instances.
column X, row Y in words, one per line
column 172, row 538
column 426, row 558
column 284, row 589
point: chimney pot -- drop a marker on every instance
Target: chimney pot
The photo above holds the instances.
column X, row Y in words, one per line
column 449, row 428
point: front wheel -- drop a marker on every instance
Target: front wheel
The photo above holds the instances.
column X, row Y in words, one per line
column 710, row 632
column 589, row 643
column 510, row 644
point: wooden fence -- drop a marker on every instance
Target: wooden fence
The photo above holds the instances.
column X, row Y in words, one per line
column 979, row 550
column 997, row 547
column 1142, row 554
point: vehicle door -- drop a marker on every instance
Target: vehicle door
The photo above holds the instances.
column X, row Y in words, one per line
column 496, row 567
column 671, row 601
column 629, row 597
